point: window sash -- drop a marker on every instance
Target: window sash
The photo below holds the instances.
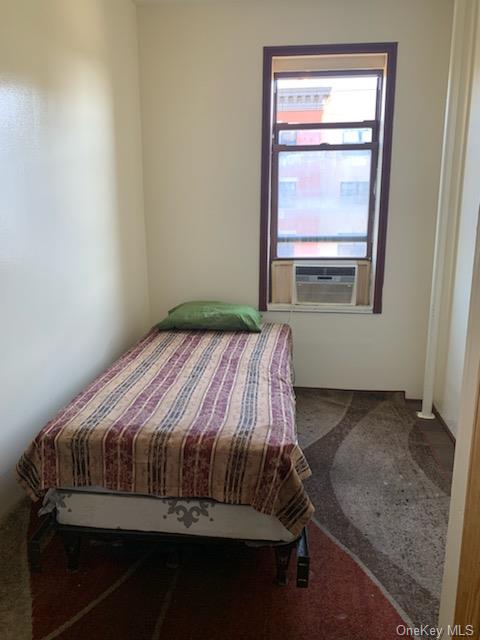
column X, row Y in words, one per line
column 378, row 73
column 336, row 239
column 277, row 148
column 359, row 124
column 275, row 239
column 371, row 125
column 325, row 146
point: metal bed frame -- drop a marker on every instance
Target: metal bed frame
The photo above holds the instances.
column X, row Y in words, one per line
column 72, row 537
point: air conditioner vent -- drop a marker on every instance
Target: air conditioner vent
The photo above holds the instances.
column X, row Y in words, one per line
column 325, row 284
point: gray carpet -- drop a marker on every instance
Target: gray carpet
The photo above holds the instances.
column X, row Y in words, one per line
column 378, row 489
column 15, row 601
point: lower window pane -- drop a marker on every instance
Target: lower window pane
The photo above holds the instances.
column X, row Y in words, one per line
column 322, row 250
column 323, row 194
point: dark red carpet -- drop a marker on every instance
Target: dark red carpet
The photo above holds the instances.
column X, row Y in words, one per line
column 217, row 593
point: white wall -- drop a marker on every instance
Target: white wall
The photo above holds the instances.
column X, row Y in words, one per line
column 467, row 407
column 201, row 76
column 458, row 276
column 72, row 245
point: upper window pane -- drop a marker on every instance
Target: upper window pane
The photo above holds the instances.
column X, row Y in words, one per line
column 327, row 99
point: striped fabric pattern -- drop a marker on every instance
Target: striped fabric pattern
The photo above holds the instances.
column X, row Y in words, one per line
column 198, row 414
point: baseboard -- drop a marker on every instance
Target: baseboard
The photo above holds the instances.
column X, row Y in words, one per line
column 302, row 386
column 445, row 426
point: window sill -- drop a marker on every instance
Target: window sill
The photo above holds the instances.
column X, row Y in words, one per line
column 320, row 308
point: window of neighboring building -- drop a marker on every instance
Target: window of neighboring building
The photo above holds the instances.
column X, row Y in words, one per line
column 327, row 132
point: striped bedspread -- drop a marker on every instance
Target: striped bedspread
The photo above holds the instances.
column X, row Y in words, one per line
column 184, row 414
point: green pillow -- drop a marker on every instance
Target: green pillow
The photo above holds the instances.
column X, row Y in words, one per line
column 212, row 316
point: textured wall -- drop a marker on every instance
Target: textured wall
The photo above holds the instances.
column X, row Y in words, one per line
column 201, row 76
column 72, row 240
column 459, row 264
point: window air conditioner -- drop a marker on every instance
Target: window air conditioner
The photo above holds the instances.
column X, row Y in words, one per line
column 324, row 283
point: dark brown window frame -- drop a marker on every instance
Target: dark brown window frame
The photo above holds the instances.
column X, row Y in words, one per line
column 267, row 200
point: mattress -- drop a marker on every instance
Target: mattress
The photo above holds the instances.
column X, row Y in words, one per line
column 166, row 515
column 184, row 414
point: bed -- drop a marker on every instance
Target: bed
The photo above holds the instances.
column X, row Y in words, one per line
column 190, row 434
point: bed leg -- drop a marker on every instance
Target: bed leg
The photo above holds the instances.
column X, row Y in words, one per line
column 34, row 556
column 303, row 560
column 72, row 543
column 174, row 560
column 282, row 555
column 34, row 545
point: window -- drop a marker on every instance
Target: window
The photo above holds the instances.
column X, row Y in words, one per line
column 327, row 127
